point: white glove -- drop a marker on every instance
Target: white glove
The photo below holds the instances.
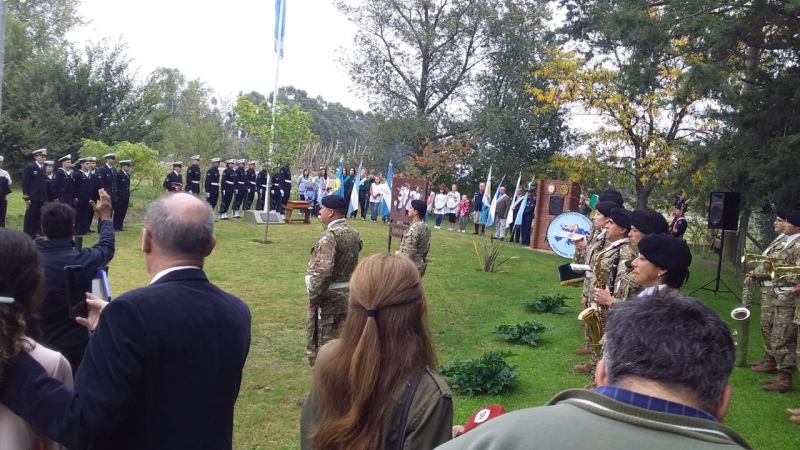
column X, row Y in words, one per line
column 308, row 283
column 208, row 195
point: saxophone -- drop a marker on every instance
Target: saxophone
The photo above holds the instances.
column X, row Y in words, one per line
column 594, row 317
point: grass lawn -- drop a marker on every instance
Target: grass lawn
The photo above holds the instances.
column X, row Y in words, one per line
column 465, row 306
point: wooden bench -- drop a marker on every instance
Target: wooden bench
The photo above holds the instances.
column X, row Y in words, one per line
column 298, row 204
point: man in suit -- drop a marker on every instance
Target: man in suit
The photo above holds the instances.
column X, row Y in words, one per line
column 193, row 176
column 240, row 192
column 228, row 187
column 501, row 214
column 62, row 183
column 82, row 187
column 34, row 192
column 164, row 366
column 107, row 180
column 123, row 194
column 212, row 183
column 251, row 184
column 261, row 187
column 174, row 180
column 528, row 208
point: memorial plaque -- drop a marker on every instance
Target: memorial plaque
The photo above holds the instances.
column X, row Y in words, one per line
column 556, row 205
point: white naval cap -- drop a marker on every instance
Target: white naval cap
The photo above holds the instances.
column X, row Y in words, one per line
column 65, row 158
column 110, row 156
column 41, row 151
column 125, row 162
column 241, row 161
column 91, row 159
column 195, row 157
column 213, row 160
column 230, row 161
column 49, row 163
column 253, row 162
column 177, row 163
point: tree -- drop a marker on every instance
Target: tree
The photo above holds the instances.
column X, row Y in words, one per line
column 144, row 160
column 281, row 144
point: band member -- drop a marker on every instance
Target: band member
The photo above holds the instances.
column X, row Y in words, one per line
column 62, row 183
column 174, row 180
column 662, row 265
column 193, row 176
column 124, row 194
column 240, row 193
column 252, row 186
column 34, row 192
column 679, row 223
column 212, row 183
column 228, row 186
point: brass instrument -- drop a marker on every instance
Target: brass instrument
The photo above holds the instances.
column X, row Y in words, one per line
column 741, row 334
column 785, row 271
column 594, row 329
column 748, row 258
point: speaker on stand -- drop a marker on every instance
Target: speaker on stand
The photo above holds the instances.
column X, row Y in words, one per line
column 723, row 214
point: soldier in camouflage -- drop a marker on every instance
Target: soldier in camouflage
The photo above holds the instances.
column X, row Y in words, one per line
column 333, row 260
column 761, row 275
column 784, row 327
column 417, row 239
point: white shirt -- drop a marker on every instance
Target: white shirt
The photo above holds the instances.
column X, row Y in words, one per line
column 790, row 239
column 333, row 222
column 652, row 290
column 3, row 173
column 171, row 269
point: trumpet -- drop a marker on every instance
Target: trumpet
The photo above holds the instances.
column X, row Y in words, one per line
column 780, row 272
column 748, row 258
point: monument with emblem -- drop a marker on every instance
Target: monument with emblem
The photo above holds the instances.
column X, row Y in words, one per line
column 404, row 190
column 556, row 222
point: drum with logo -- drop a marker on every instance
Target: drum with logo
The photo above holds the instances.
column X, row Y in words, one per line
column 565, row 229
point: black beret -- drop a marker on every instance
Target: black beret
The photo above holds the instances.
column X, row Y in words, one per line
column 605, row 207
column 334, row 202
column 610, row 195
column 666, row 251
column 420, row 206
column 649, row 221
column 793, row 217
column 781, row 215
column 621, row 217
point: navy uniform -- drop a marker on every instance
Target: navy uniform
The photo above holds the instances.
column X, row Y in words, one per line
column 174, row 180
column 34, row 192
column 261, row 187
column 96, row 185
column 287, row 186
column 228, row 186
column 212, row 183
column 82, row 185
column 49, row 166
column 62, row 183
column 107, row 180
column 251, row 185
column 529, row 206
column 193, row 176
column 275, row 192
column 123, row 194
column 240, row 193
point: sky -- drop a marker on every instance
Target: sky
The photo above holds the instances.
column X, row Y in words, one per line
column 229, row 44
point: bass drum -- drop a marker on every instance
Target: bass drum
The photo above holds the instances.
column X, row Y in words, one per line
column 565, row 229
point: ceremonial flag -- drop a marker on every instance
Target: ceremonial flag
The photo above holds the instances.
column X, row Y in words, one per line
column 340, row 175
column 493, row 206
column 387, row 195
column 510, row 217
column 354, row 194
column 487, row 197
column 280, row 26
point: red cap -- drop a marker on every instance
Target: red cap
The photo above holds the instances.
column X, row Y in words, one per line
column 483, row 415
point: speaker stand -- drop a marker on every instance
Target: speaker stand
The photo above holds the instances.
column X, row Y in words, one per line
column 718, row 280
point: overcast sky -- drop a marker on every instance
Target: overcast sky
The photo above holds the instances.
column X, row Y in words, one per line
column 229, row 44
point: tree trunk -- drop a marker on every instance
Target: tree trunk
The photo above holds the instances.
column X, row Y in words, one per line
column 642, row 194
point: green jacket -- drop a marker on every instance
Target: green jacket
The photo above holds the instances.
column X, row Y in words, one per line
column 581, row 419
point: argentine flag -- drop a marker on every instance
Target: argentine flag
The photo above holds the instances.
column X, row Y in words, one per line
column 493, row 207
column 514, row 199
column 280, row 26
column 487, row 198
column 354, row 195
column 340, row 176
column 387, row 195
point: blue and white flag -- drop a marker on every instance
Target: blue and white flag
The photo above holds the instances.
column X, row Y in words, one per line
column 354, row 194
column 387, row 195
column 487, row 197
column 280, row 26
column 340, row 177
column 493, row 206
column 510, row 216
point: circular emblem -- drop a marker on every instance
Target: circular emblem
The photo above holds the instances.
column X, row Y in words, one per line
column 482, row 416
column 563, row 229
column 551, row 188
column 564, row 190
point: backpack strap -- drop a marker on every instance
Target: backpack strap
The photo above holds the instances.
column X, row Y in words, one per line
column 401, row 429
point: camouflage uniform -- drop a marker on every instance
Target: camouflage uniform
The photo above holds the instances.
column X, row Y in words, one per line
column 333, row 260
column 416, row 243
column 762, row 276
column 595, row 244
column 612, row 264
column 784, row 329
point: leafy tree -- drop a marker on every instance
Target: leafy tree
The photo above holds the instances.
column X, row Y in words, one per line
column 144, row 160
column 291, row 130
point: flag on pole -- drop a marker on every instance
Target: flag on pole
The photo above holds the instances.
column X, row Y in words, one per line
column 340, row 176
column 354, row 194
column 280, row 26
column 387, row 195
column 510, row 217
column 493, row 206
column 487, row 197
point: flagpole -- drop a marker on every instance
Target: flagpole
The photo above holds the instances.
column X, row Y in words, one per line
column 280, row 24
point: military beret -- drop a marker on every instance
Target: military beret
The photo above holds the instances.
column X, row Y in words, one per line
column 666, row 251
column 793, row 217
column 334, row 202
column 648, row 221
column 420, row 206
column 605, row 207
column 781, row 215
column 610, row 195
column 621, row 217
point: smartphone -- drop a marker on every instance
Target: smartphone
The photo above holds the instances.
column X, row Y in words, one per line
column 77, row 287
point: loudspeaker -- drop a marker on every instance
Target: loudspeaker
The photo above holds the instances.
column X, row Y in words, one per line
column 723, row 211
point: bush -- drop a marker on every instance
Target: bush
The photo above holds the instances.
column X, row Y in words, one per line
column 553, row 304
column 523, row 333
column 488, row 254
column 489, row 374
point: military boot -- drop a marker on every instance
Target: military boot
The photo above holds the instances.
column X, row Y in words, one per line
column 583, row 350
column 483, row 229
column 768, row 366
column 476, row 228
column 795, row 419
column 586, row 367
column 781, row 383
column 766, row 381
column 766, row 359
column 792, row 412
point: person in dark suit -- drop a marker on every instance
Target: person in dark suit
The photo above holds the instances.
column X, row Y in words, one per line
column 123, row 194
column 60, row 332
column 193, row 176
column 529, row 206
column 5, row 189
column 276, row 192
column 261, row 186
column 212, row 183
column 164, row 366
column 287, row 186
column 82, row 186
column 62, row 180
column 174, row 180
column 252, row 185
column 228, row 186
column 34, row 192
column 240, row 192
column 107, row 180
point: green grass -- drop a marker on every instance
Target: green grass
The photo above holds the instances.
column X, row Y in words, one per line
column 465, row 306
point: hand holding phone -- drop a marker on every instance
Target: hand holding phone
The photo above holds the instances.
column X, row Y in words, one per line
column 77, row 285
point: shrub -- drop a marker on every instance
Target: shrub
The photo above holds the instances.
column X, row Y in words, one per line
column 553, row 304
column 488, row 254
column 489, row 374
column 523, row 333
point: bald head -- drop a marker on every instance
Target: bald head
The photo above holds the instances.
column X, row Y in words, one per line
column 181, row 224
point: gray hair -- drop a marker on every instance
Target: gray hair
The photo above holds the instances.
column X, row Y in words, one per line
column 178, row 232
column 673, row 340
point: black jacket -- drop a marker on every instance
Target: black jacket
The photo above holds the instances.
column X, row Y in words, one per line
column 162, row 371
column 82, row 185
column 173, row 182
column 123, row 185
column 193, row 179
column 59, row 331
column 212, row 176
column 34, row 183
column 5, row 189
column 62, row 185
column 107, row 179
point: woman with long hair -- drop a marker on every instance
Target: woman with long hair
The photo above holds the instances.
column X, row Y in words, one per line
column 376, row 383
column 440, row 205
column 21, row 292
